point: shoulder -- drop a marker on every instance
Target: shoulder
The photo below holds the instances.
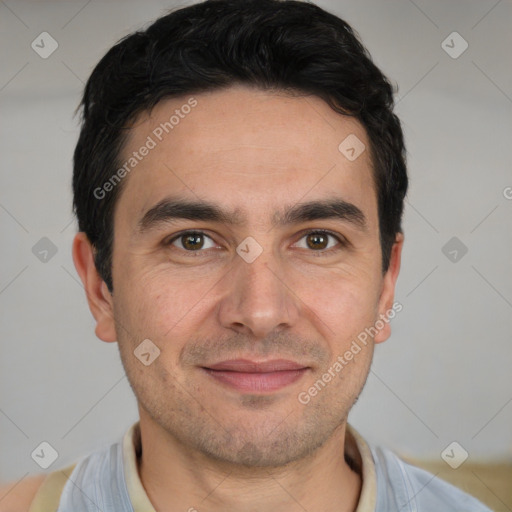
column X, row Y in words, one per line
column 17, row 496
column 411, row 488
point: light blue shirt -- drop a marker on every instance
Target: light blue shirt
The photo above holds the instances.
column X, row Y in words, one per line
column 406, row 488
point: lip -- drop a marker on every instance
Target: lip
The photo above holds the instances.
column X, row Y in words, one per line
column 256, row 377
column 248, row 366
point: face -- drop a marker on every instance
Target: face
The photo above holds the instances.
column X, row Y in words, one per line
column 252, row 297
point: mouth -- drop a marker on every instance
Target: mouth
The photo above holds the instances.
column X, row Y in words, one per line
column 256, row 377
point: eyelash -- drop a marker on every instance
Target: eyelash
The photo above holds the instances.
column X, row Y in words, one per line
column 341, row 240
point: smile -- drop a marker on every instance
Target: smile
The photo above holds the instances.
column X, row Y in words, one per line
column 256, row 377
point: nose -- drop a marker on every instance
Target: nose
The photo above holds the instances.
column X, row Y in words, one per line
column 259, row 298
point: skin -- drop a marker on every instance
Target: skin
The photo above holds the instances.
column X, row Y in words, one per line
column 205, row 445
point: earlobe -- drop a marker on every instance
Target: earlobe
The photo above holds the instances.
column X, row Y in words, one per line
column 387, row 296
column 99, row 298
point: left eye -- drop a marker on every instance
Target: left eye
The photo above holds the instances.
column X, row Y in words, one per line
column 319, row 240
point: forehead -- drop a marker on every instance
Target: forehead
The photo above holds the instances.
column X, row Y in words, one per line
column 246, row 149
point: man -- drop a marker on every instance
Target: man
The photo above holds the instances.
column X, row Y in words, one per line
column 239, row 183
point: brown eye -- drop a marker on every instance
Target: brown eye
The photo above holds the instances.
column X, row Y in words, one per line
column 320, row 241
column 317, row 240
column 191, row 241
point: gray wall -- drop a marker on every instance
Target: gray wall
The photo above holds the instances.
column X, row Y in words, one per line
column 445, row 373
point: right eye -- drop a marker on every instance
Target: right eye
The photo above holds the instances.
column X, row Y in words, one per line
column 190, row 241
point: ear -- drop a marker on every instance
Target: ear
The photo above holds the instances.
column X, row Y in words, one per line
column 387, row 294
column 98, row 296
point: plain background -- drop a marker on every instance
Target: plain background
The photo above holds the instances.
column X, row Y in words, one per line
column 443, row 376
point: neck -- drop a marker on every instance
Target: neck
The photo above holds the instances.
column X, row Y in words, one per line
column 328, row 480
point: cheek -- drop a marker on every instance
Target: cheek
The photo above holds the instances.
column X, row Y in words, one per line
column 160, row 305
column 345, row 303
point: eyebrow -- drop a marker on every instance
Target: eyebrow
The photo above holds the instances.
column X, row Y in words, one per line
column 170, row 209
